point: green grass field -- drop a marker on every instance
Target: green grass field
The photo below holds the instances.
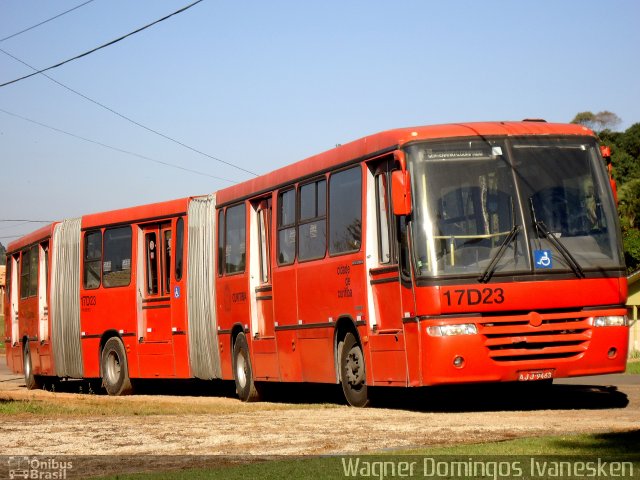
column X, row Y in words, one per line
column 608, row 447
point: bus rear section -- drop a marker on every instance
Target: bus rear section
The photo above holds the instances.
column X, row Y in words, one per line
column 27, row 306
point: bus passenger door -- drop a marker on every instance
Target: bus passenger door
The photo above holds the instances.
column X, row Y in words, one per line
column 43, row 299
column 15, row 359
column 261, row 290
column 391, row 295
column 156, row 332
column 44, row 335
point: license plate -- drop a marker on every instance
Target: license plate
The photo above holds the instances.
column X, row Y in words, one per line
column 535, row 375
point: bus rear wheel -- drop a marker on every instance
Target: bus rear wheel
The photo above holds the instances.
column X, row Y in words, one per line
column 242, row 371
column 32, row 381
column 115, row 371
column 352, row 372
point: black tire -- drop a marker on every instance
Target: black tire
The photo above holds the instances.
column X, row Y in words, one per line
column 352, row 372
column 33, row 382
column 243, row 372
column 114, row 368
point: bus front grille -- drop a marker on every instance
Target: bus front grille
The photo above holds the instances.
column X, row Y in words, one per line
column 519, row 340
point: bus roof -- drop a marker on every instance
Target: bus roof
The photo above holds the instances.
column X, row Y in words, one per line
column 363, row 148
column 34, row 237
column 387, row 141
column 138, row 214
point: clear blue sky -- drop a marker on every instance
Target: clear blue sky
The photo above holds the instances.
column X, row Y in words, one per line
column 262, row 84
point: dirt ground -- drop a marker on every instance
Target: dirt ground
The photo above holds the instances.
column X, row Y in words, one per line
column 221, row 425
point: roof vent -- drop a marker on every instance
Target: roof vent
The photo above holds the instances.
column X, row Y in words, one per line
column 535, row 120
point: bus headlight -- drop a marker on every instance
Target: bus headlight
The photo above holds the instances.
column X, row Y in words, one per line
column 450, row 330
column 610, row 321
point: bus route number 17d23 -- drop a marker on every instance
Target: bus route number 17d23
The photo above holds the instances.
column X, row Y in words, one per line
column 474, row 296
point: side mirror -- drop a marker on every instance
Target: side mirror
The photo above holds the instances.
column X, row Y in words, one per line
column 605, row 151
column 401, row 192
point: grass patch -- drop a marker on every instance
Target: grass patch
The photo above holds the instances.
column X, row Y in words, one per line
column 606, row 446
column 97, row 405
column 633, row 368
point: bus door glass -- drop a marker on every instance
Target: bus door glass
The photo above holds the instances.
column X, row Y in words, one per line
column 264, row 290
column 43, row 305
column 15, row 273
column 382, row 251
column 156, row 304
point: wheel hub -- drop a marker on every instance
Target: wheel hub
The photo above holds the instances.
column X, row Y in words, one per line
column 113, row 368
column 241, row 371
column 27, row 364
column 354, row 367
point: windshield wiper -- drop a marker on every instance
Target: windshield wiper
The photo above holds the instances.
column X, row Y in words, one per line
column 493, row 264
column 541, row 228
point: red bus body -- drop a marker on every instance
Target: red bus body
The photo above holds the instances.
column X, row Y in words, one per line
column 273, row 261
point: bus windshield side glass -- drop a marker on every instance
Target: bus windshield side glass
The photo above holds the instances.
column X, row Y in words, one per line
column 565, row 190
column 478, row 209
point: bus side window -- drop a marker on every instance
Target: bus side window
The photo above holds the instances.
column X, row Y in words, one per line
column 286, row 227
column 345, row 211
column 116, row 264
column 33, row 270
column 312, row 227
column 235, row 240
column 24, row 274
column 179, row 248
column 92, row 259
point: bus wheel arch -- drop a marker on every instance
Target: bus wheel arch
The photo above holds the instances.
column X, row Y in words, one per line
column 114, row 368
column 243, row 375
column 350, row 363
column 32, row 381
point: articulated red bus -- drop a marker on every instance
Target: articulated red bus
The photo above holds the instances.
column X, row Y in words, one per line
column 432, row 255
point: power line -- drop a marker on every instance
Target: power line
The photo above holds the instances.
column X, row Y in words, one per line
column 21, row 223
column 45, row 21
column 127, row 152
column 11, row 236
column 129, row 119
column 25, row 221
column 89, row 52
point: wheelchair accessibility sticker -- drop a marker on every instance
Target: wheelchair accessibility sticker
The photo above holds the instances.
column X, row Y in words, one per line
column 542, row 258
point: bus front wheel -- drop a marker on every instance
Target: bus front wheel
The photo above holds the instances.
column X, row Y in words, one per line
column 352, row 372
column 115, row 372
column 242, row 371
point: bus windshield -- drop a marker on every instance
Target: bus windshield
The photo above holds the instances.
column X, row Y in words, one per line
column 511, row 206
